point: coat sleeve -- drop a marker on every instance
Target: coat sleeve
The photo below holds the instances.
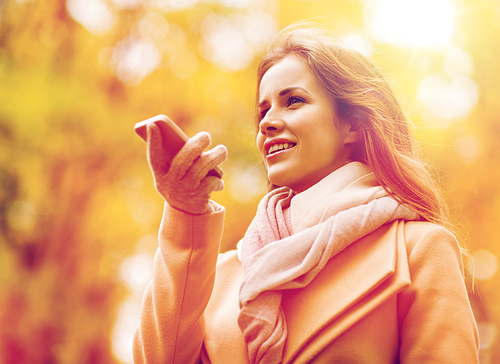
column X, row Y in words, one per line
column 436, row 320
column 172, row 327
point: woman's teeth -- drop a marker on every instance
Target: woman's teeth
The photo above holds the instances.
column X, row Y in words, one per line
column 277, row 147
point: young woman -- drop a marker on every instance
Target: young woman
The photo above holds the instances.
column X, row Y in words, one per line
column 348, row 259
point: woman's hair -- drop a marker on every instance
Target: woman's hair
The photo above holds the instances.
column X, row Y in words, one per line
column 363, row 97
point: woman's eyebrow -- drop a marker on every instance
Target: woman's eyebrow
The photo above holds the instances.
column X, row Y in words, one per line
column 290, row 89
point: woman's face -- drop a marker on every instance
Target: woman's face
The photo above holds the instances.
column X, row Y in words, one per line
column 301, row 138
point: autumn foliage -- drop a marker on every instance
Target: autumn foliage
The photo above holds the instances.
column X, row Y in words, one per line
column 78, row 210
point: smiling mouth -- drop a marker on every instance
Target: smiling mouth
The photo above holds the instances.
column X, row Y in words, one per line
column 277, row 147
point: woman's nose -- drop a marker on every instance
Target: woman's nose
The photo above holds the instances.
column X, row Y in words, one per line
column 270, row 125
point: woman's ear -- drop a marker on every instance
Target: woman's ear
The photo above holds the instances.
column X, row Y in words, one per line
column 351, row 130
column 353, row 135
column 351, row 120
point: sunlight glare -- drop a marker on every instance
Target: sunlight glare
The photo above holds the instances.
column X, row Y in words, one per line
column 410, row 22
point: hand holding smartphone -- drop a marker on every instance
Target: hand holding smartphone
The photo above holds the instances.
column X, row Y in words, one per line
column 173, row 138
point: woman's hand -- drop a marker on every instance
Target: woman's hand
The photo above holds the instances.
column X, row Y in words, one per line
column 185, row 185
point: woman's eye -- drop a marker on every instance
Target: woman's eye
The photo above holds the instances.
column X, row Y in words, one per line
column 294, row 100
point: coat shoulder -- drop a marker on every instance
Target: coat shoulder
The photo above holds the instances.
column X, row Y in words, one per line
column 422, row 235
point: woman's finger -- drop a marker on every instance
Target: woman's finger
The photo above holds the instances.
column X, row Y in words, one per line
column 189, row 153
column 155, row 153
column 211, row 184
column 206, row 162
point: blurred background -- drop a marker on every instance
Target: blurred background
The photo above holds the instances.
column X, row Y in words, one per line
column 78, row 211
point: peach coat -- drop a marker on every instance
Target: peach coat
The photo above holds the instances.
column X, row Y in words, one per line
column 395, row 296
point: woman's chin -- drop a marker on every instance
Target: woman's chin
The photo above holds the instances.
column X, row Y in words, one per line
column 279, row 180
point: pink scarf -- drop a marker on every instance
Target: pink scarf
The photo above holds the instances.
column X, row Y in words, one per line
column 291, row 239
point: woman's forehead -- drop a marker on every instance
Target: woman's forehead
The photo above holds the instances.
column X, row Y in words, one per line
column 290, row 71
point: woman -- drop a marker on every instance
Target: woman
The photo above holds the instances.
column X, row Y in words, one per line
column 347, row 259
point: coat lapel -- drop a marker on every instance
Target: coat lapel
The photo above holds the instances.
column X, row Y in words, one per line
column 350, row 286
column 353, row 283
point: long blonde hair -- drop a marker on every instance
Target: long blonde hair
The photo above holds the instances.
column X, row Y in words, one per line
column 364, row 98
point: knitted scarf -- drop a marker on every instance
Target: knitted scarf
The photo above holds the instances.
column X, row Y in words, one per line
column 291, row 239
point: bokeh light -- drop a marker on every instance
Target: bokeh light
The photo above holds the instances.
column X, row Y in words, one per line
column 127, row 317
column 238, row 3
column 95, row 15
column 133, row 59
column 231, row 42
column 468, row 148
column 487, row 333
column 153, row 25
column 21, row 215
column 450, row 94
column 448, row 99
column 247, row 182
column 136, row 272
column 485, row 264
column 126, row 4
column 458, row 62
column 357, row 42
column 171, row 5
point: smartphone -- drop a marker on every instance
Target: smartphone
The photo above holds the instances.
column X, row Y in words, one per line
column 173, row 138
